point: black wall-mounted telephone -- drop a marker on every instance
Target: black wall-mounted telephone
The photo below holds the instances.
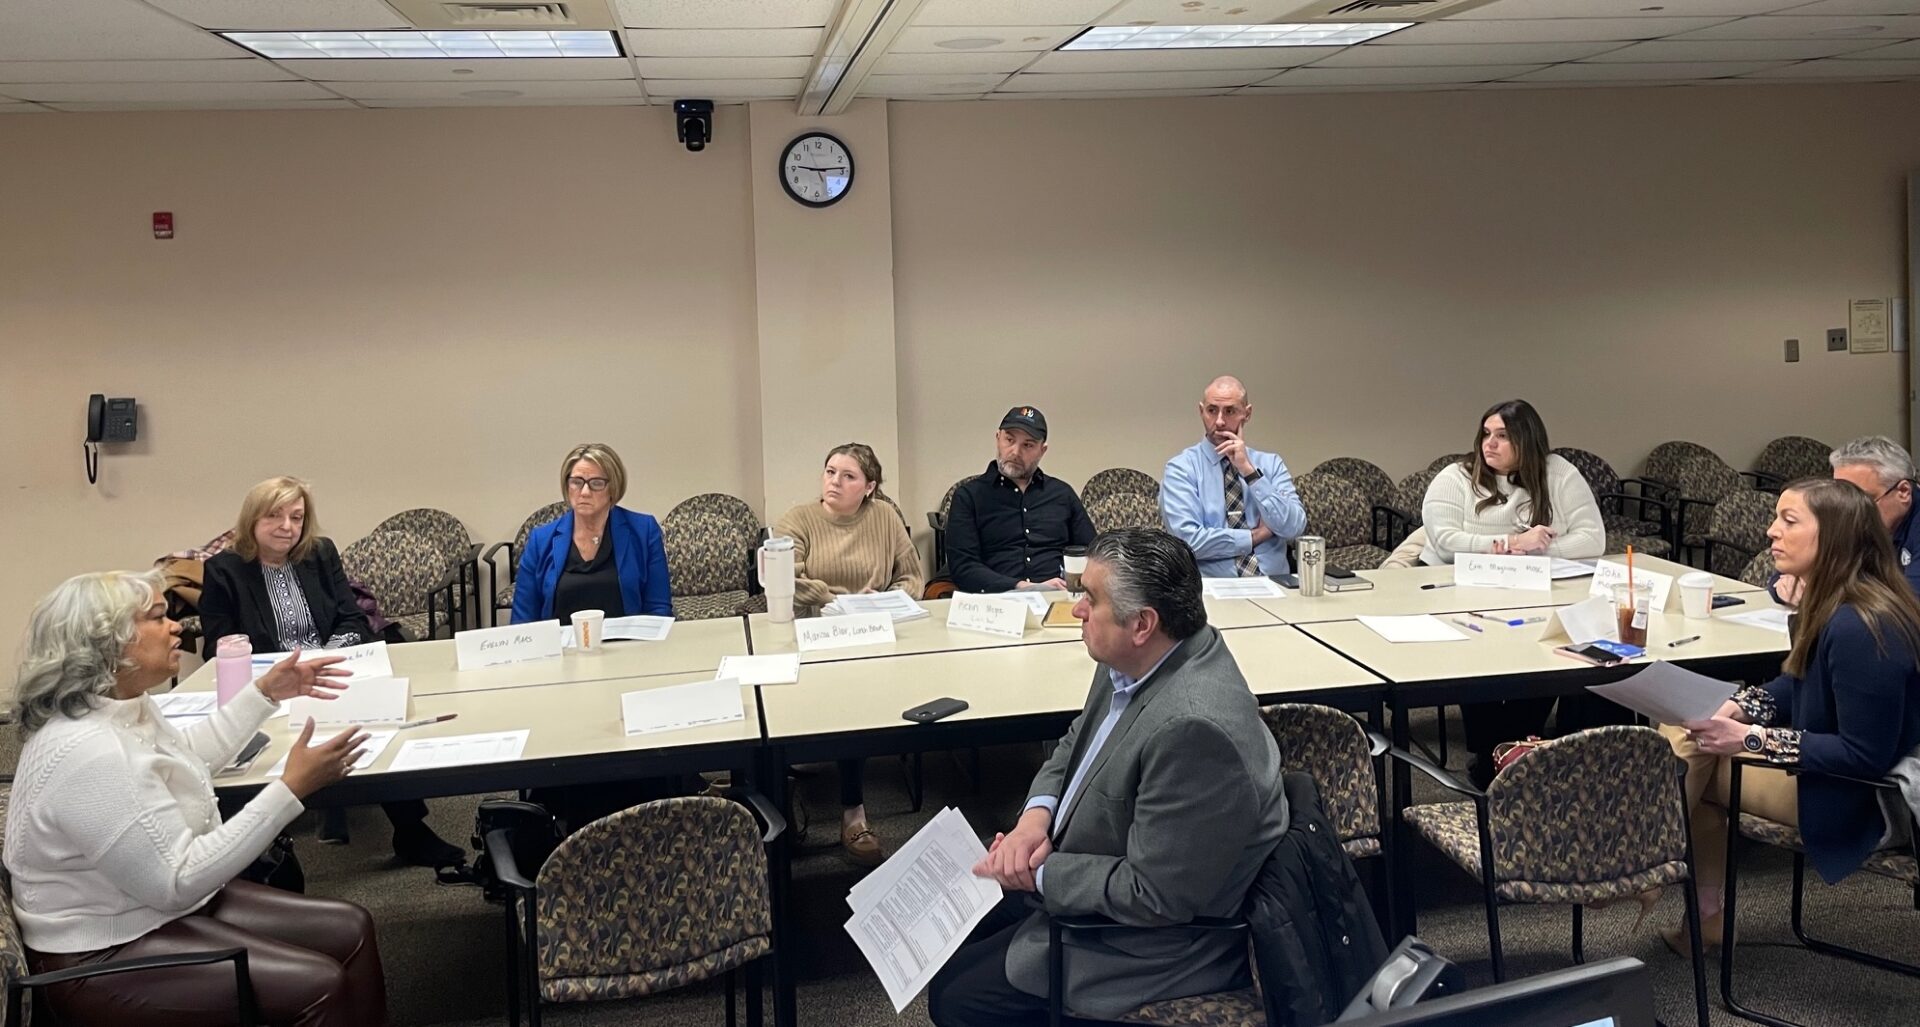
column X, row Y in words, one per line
column 108, row 420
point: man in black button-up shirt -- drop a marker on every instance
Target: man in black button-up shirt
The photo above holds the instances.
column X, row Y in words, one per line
column 1007, row 527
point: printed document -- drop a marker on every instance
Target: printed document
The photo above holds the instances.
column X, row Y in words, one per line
column 912, row 913
column 896, row 604
column 1241, row 588
column 461, row 750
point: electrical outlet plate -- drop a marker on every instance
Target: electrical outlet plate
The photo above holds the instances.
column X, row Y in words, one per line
column 1793, row 351
column 1836, row 340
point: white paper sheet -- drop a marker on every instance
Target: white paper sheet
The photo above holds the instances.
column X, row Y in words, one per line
column 367, row 660
column 637, row 628
column 1666, row 694
column 1036, row 601
column 1774, row 619
column 913, row 919
column 192, row 705
column 896, row 604
column 366, row 701
column 774, row 669
column 1417, row 628
column 461, row 750
column 653, row 710
column 1241, row 588
column 1571, row 568
column 375, row 745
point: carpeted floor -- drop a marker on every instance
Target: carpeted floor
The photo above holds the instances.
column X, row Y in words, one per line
column 444, row 946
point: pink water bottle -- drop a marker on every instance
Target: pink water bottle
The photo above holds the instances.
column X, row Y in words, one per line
column 232, row 666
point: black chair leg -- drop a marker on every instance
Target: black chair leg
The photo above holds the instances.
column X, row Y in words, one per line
column 1493, row 933
column 754, row 1014
column 1729, row 907
column 1827, row 948
column 916, row 779
column 1442, row 712
column 1698, row 945
column 1579, row 934
column 728, row 982
column 513, row 961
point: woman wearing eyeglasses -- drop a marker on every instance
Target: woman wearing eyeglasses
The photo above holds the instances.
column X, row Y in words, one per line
column 597, row 556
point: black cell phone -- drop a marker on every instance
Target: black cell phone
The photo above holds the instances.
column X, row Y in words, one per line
column 1340, row 573
column 1286, row 580
column 1591, row 654
column 927, row 713
column 1720, row 601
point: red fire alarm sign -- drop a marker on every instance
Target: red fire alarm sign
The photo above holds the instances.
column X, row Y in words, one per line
column 163, row 224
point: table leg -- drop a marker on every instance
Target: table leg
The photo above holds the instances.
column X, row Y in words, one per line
column 1401, row 902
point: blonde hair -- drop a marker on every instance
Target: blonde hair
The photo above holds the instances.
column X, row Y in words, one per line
column 605, row 458
column 77, row 638
column 863, row 455
column 265, row 498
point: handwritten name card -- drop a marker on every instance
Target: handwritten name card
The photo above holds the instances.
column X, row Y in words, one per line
column 487, row 647
column 1607, row 574
column 1492, row 570
column 843, row 632
column 989, row 615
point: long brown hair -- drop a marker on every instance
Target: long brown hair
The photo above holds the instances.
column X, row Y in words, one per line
column 1853, row 564
column 1528, row 436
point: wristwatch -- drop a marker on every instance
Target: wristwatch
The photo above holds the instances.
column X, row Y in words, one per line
column 1756, row 738
column 1255, row 476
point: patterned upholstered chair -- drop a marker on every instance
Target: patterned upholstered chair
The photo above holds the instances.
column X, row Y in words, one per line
column 881, row 496
column 1440, row 462
column 652, row 898
column 937, row 520
column 1115, row 480
column 1338, row 511
column 1335, row 749
column 503, row 594
column 1404, row 511
column 1738, row 531
column 403, row 571
column 1790, row 458
column 709, row 540
column 1376, row 485
column 1759, row 570
column 1124, row 510
column 1631, row 513
column 1901, row 864
column 1596, row 816
column 457, row 550
column 20, row 985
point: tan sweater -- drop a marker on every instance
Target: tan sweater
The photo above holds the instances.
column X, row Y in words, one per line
column 834, row 556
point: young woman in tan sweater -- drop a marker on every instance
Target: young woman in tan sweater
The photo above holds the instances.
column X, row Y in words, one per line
column 850, row 542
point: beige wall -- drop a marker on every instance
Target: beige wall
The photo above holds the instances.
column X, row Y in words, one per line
column 1382, row 267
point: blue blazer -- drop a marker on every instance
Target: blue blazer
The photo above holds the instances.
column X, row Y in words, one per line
column 1859, row 712
column 639, row 556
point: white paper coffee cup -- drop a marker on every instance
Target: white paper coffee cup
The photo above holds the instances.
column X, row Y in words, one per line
column 1696, row 595
column 586, row 629
column 1075, row 564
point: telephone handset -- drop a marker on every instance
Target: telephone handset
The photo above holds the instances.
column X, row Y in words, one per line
column 108, row 420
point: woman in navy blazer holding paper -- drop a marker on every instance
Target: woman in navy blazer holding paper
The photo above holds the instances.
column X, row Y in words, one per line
column 597, row 556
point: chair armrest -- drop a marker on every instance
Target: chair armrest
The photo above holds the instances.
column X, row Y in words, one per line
column 936, row 520
column 1391, row 526
column 236, row 955
column 1440, row 775
column 1763, row 481
column 505, row 867
column 773, row 824
column 1095, row 922
column 494, row 550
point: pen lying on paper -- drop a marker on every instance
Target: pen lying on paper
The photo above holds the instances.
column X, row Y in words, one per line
column 1437, row 584
column 1676, row 643
column 1469, row 625
column 1512, row 622
column 424, row 721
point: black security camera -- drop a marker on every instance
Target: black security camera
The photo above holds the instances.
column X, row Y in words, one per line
column 693, row 123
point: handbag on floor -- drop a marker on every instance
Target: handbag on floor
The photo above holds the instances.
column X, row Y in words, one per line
column 278, row 867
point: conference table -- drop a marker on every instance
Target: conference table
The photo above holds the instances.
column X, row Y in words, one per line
column 848, row 703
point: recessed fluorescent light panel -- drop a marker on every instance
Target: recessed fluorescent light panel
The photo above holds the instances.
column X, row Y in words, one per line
column 429, row 45
column 1195, row 37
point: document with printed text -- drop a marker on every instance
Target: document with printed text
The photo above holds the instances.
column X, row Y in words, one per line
column 461, row 750
column 912, row 913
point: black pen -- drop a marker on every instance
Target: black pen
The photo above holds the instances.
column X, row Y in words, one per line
column 1676, row 643
column 1437, row 584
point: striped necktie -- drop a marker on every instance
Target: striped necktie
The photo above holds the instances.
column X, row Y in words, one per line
column 1243, row 566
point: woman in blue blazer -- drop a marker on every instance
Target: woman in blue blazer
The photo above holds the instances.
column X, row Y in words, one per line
column 1848, row 702
column 597, row 556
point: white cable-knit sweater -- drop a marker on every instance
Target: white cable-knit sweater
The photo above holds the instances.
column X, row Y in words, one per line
column 112, row 829
column 1454, row 526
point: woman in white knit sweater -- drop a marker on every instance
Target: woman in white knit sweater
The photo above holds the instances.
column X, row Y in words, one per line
column 1513, row 495
column 117, row 848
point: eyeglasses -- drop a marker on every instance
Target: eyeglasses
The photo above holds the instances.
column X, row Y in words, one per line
column 588, row 484
column 1891, row 489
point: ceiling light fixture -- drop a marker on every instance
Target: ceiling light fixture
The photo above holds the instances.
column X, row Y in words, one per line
column 1197, row 37
column 435, row 45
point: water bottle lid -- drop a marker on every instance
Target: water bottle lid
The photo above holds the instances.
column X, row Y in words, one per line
column 234, row 645
column 779, row 543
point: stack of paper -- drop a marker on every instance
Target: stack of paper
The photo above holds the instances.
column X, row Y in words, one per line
column 896, row 604
column 1418, row 628
column 1241, row 588
column 461, row 750
column 913, row 912
column 1571, row 568
column 637, row 628
column 1772, row 618
column 376, row 744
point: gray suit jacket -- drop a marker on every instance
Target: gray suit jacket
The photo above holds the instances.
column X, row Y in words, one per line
column 1182, row 806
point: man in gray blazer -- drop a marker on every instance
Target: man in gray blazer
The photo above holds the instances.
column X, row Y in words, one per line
column 1159, row 806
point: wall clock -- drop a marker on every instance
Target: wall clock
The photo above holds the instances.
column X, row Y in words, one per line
column 816, row 169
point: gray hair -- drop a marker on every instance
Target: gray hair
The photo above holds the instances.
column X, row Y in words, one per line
column 1889, row 459
column 1149, row 568
column 77, row 640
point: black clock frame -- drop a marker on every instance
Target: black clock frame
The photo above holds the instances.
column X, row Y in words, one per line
column 780, row 169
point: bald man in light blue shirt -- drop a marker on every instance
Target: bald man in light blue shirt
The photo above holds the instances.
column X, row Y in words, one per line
column 1235, row 507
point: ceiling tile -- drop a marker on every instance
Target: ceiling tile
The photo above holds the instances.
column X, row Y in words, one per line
column 164, row 92
column 1201, row 12
column 1623, row 8
column 520, row 69
column 725, row 88
column 990, row 61
column 1010, row 12
column 1730, row 50
column 1076, row 82
column 1857, row 7
column 512, row 101
column 1396, row 76
column 1889, row 28
column 1630, row 72
column 213, row 105
column 723, row 14
column 81, row 30
column 1897, row 51
column 903, row 85
column 1446, row 55
column 1845, row 69
column 1003, row 39
column 1207, row 59
column 455, row 90
column 1302, row 90
column 723, row 67
column 1544, row 30
column 246, row 69
column 1117, row 94
column 800, row 42
column 284, row 15
column 1622, row 84
column 938, row 98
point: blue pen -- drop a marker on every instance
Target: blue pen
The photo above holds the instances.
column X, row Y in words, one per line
column 1512, row 623
column 1469, row 625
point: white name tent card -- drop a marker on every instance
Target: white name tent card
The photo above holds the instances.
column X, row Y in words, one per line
column 375, row 744
column 371, row 701
column 367, row 660
column 1496, row 570
column 653, row 710
column 1589, row 620
column 1241, row 588
column 846, row 631
column 461, row 750
column 1607, row 574
column 1417, row 628
column 514, row 643
column 989, row 615
column 776, row 669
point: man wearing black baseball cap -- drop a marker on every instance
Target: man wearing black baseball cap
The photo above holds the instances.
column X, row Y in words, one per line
column 1007, row 528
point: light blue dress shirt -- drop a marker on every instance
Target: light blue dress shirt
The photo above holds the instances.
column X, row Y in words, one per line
column 1124, row 688
column 1193, row 503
